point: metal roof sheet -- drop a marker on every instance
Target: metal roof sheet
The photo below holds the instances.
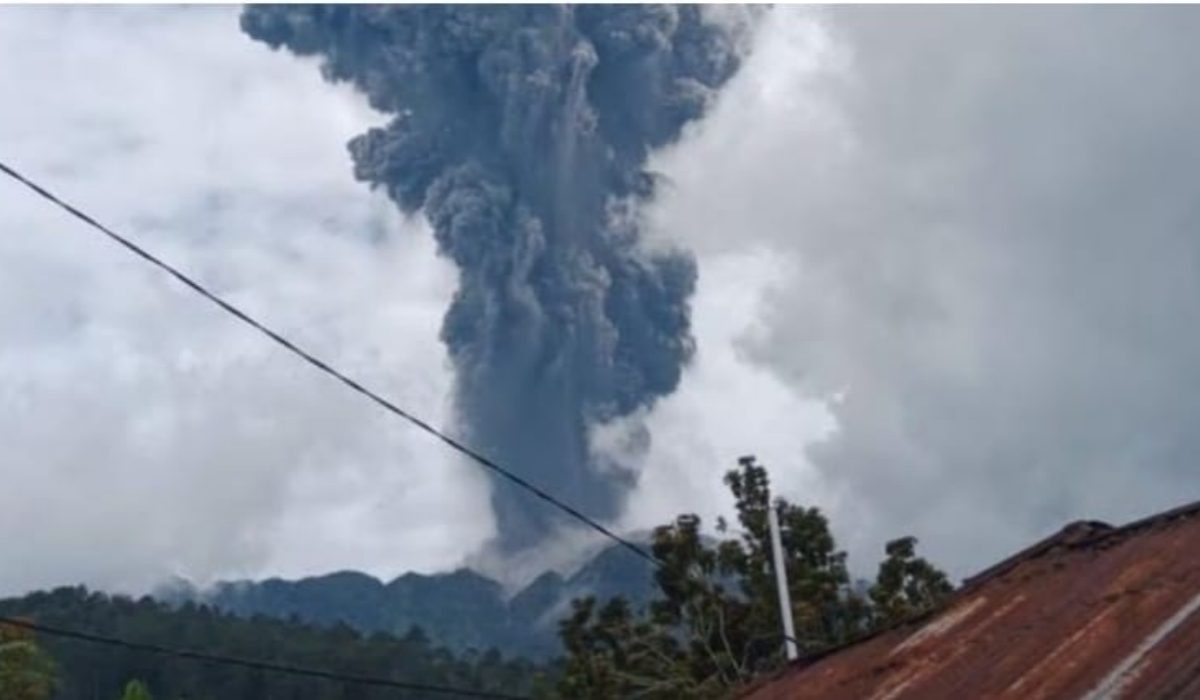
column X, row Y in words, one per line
column 1092, row 612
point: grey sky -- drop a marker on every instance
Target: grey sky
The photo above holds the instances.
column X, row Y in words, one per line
column 992, row 220
column 969, row 235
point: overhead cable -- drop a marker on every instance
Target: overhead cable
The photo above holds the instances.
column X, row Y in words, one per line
column 253, row 664
column 327, row 368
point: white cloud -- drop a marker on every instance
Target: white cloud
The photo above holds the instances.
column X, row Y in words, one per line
column 727, row 405
column 991, row 217
column 146, row 433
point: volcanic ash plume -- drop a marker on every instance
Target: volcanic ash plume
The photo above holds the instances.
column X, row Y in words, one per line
column 521, row 133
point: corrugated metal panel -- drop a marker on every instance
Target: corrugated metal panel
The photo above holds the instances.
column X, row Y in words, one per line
column 1093, row 613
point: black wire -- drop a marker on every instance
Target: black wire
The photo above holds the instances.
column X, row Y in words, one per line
column 356, row 386
column 326, row 367
column 257, row 665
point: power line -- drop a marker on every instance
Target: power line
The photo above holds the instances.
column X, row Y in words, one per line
column 325, row 367
column 252, row 664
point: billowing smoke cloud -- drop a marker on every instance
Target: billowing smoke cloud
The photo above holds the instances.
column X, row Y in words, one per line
column 522, row 134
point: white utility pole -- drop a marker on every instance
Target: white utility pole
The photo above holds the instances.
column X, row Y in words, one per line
column 785, row 599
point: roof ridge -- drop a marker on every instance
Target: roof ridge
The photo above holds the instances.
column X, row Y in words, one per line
column 1071, row 535
column 1079, row 534
column 1074, row 535
column 1188, row 509
column 1104, row 554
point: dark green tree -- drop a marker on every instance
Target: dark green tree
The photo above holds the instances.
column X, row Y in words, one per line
column 714, row 624
column 906, row 585
column 87, row 670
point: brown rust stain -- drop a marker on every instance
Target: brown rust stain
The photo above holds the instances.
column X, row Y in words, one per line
column 1052, row 622
column 1031, row 684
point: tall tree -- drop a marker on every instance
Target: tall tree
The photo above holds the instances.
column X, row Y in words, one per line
column 715, row 622
column 907, row 585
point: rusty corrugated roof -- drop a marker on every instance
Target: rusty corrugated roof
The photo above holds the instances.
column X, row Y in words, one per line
column 1091, row 613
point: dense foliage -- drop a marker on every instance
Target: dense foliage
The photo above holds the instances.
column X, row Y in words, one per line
column 26, row 671
column 715, row 622
column 85, row 671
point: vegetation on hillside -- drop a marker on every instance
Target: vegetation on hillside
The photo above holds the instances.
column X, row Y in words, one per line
column 84, row 671
column 461, row 610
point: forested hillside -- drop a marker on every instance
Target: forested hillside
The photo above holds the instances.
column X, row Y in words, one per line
column 86, row 671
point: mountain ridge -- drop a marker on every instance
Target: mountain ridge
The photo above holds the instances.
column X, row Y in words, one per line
column 462, row 609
